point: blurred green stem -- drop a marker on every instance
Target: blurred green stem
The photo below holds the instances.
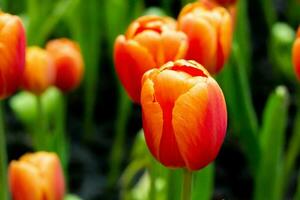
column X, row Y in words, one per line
column 153, row 174
column 3, row 158
column 269, row 12
column 297, row 194
column 187, row 185
column 116, row 157
column 39, row 139
column 61, row 141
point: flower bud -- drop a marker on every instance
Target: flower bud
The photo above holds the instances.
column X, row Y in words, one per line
column 37, row 176
column 296, row 54
column 39, row 70
column 184, row 114
column 209, row 30
column 12, row 53
column 68, row 62
column 150, row 41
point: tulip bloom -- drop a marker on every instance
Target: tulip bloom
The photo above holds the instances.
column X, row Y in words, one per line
column 184, row 114
column 68, row 62
column 150, row 41
column 209, row 30
column 12, row 53
column 37, row 176
column 296, row 55
column 39, row 70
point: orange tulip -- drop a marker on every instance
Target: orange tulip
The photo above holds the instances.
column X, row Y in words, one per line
column 150, row 41
column 39, row 70
column 209, row 29
column 296, row 54
column 184, row 114
column 37, row 176
column 68, row 63
column 12, row 53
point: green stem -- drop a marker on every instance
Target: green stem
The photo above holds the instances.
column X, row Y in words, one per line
column 3, row 159
column 152, row 173
column 117, row 152
column 187, row 185
column 61, row 140
column 297, row 194
column 39, row 133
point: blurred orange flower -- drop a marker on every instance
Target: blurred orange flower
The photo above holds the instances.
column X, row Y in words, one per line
column 37, row 176
column 296, row 54
column 39, row 70
column 12, row 53
column 209, row 30
column 68, row 62
column 184, row 114
column 150, row 41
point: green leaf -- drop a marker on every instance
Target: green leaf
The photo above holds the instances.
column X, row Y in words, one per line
column 272, row 143
column 203, row 183
column 235, row 84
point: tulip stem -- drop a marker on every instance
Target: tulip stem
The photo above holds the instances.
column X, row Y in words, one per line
column 40, row 137
column 186, row 193
column 3, row 159
column 117, row 152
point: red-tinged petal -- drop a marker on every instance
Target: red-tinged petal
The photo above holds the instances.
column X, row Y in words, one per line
column 152, row 118
column 201, row 129
column 174, row 45
column 25, row 182
column 202, row 40
column 225, row 38
column 12, row 53
column 131, row 61
column 296, row 57
column 152, row 42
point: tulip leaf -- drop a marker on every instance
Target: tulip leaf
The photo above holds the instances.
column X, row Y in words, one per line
column 297, row 194
column 272, row 136
column 203, row 183
column 235, row 84
column 270, row 14
column 242, row 34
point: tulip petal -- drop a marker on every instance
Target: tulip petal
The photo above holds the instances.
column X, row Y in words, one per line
column 151, row 40
column 174, row 45
column 152, row 123
column 296, row 57
column 202, row 40
column 131, row 61
column 225, row 38
column 25, row 182
column 199, row 121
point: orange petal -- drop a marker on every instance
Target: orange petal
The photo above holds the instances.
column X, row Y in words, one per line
column 152, row 42
column 152, row 118
column 202, row 40
column 174, row 45
column 131, row 61
column 201, row 129
column 225, row 39
column 25, row 182
column 296, row 57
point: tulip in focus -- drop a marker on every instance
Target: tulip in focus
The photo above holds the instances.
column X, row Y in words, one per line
column 12, row 53
column 68, row 62
column 39, row 72
column 150, row 41
column 209, row 30
column 37, row 176
column 184, row 114
column 296, row 55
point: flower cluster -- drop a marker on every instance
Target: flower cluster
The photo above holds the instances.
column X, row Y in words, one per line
column 184, row 110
